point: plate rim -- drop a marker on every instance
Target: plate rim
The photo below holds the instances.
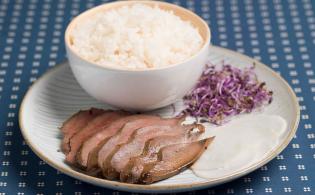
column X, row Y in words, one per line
column 164, row 188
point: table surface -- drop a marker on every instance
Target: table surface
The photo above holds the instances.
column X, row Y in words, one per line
column 280, row 33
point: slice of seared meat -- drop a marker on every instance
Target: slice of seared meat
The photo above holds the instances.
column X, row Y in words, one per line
column 75, row 123
column 113, row 144
column 132, row 148
column 87, row 155
column 132, row 172
column 123, row 134
column 136, row 145
column 173, row 159
column 97, row 124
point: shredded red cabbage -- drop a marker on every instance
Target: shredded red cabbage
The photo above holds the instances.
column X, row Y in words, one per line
column 224, row 92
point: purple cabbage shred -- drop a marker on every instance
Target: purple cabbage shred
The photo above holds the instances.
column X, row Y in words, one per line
column 224, row 92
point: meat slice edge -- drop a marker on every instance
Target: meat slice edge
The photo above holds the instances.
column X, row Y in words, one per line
column 95, row 125
column 124, row 136
column 133, row 170
column 75, row 123
column 173, row 159
column 88, row 153
column 136, row 145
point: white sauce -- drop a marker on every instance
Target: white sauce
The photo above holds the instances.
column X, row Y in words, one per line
column 239, row 144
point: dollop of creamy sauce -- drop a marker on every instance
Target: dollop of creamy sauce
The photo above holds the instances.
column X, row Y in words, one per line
column 238, row 144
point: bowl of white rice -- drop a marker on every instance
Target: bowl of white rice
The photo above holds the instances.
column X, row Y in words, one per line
column 137, row 55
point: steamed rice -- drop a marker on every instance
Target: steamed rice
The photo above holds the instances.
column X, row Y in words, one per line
column 136, row 37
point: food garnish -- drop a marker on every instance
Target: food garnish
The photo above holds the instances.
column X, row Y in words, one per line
column 225, row 91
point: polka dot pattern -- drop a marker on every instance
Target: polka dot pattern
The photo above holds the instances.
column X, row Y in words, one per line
column 279, row 33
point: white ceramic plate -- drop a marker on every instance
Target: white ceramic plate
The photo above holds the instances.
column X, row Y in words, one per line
column 56, row 96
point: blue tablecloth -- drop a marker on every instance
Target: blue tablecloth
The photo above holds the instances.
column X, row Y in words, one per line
column 278, row 32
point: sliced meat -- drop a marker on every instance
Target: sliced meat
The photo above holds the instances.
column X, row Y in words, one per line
column 134, row 149
column 87, row 156
column 113, row 144
column 97, row 124
column 136, row 145
column 132, row 172
column 173, row 159
column 75, row 123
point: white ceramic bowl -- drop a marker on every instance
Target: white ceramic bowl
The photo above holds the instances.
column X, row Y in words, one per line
column 138, row 89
